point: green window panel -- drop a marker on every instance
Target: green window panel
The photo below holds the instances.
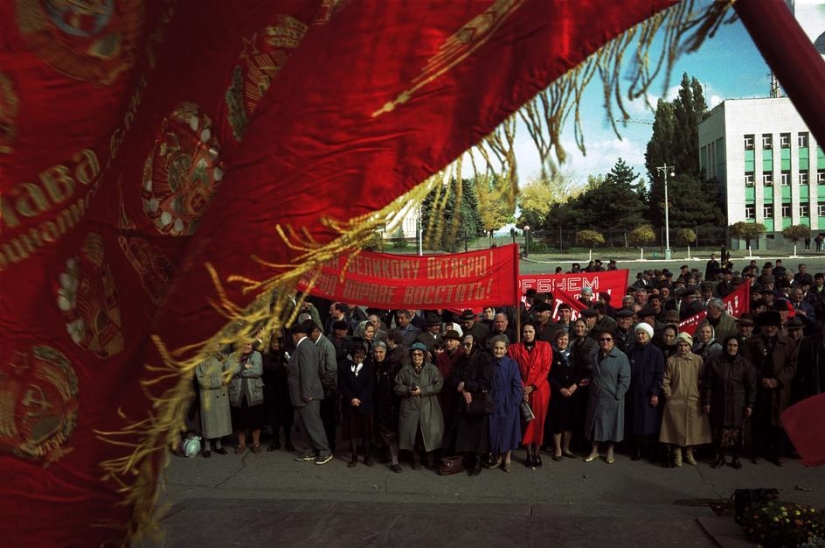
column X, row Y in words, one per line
column 768, row 198
column 786, row 222
column 804, row 164
column 805, row 221
column 750, row 195
column 820, row 191
column 803, row 193
column 821, row 221
column 820, row 159
column 768, row 225
column 750, row 160
column 786, row 193
column 767, row 154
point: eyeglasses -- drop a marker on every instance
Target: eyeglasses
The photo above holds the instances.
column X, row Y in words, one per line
column 605, row 339
column 467, row 345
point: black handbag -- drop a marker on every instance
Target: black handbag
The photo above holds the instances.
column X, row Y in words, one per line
column 482, row 404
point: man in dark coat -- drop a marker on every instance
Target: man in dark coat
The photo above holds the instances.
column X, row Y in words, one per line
column 471, row 325
column 775, row 359
column 810, row 376
column 545, row 327
column 306, row 394
column 432, row 336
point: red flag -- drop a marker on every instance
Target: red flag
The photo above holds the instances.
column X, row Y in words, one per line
column 736, row 304
column 562, row 297
column 807, row 436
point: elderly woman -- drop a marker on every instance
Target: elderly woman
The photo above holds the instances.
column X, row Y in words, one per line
column 706, row 345
column 667, row 342
column 683, row 424
column 605, row 407
column 386, row 402
column 246, row 395
column 647, row 368
column 469, row 432
column 564, row 378
column 216, row 419
column 534, row 359
column 506, row 393
column 420, row 422
column 279, row 410
column 728, row 396
column 356, row 382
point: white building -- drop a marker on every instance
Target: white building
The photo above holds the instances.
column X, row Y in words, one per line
column 768, row 164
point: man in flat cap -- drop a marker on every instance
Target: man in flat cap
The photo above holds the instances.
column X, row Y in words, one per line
column 471, row 326
column 545, row 327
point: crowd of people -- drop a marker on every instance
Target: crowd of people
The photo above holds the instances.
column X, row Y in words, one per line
column 452, row 390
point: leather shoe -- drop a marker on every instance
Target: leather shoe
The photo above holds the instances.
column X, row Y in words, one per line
column 610, row 460
column 395, row 468
column 558, row 458
column 591, row 458
column 289, row 447
column 636, row 457
column 735, row 464
column 537, row 461
column 506, row 466
column 528, row 462
column 273, row 447
column 221, row 451
column 206, row 453
column 570, row 454
column 718, row 463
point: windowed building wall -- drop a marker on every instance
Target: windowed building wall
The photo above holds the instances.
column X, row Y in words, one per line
column 768, row 164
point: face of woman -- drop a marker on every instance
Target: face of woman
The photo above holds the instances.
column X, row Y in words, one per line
column 606, row 342
column 562, row 341
column 668, row 336
column 379, row 353
column 642, row 337
column 247, row 347
column 528, row 334
column 683, row 349
column 580, row 328
column 358, row 356
column 705, row 334
column 467, row 344
column 417, row 357
column 499, row 349
column 369, row 332
column 489, row 313
column 275, row 343
column 732, row 347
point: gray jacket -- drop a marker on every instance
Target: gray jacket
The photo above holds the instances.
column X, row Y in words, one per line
column 302, row 373
column 246, row 382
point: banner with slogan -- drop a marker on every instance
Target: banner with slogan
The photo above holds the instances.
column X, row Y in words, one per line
column 381, row 280
column 736, row 303
column 613, row 282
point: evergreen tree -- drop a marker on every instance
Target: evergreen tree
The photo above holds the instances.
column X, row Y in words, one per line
column 618, row 202
column 445, row 227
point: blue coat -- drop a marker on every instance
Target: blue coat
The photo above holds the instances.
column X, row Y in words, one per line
column 506, row 391
column 647, row 368
column 361, row 387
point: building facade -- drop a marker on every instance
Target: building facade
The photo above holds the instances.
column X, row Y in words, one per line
column 770, row 167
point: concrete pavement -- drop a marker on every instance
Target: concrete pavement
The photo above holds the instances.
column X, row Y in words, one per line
column 268, row 499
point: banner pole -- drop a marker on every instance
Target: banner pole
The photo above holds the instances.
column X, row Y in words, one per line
column 518, row 293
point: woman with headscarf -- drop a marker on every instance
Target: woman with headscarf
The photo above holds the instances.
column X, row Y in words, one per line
column 706, row 346
column 667, row 342
column 246, row 395
column 386, row 402
column 420, row 422
column 728, row 397
column 534, row 359
column 605, row 407
column 506, row 393
column 469, row 431
column 683, row 423
column 647, row 368
column 216, row 418
column 564, row 379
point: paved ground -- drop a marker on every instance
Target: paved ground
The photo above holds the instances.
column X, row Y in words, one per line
column 267, row 499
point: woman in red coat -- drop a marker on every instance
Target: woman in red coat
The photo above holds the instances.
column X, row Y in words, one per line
column 534, row 359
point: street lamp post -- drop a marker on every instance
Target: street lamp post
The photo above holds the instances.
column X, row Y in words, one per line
column 665, row 169
column 526, row 241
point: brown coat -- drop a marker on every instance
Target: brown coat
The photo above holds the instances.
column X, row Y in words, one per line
column 683, row 423
column 781, row 367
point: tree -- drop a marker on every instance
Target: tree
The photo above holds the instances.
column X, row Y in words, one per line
column 589, row 238
column 686, row 236
column 795, row 233
column 642, row 235
column 444, row 222
column 495, row 209
column 747, row 231
column 538, row 196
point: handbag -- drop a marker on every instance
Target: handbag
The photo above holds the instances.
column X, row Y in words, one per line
column 526, row 412
column 451, row 465
column 482, row 404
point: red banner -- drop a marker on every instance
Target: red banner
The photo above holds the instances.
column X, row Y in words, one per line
column 807, row 436
column 465, row 280
column 613, row 282
column 736, row 303
column 562, row 297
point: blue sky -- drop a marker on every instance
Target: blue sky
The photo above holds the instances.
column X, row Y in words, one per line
column 729, row 66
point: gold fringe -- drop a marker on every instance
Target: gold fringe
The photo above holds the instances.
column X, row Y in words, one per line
column 275, row 305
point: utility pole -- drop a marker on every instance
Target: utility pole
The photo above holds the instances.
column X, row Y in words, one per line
column 665, row 169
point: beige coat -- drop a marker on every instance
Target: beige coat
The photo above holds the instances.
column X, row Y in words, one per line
column 684, row 424
column 216, row 420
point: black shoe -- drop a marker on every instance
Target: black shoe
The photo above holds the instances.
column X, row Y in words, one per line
column 395, row 468
column 636, row 457
column 289, row 447
column 528, row 462
column 558, row 458
column 775, row 460
column 718, row 463
column 537, row 461
column 221, row 451
column 206, row 453
column 735, row 464
column 273, row 447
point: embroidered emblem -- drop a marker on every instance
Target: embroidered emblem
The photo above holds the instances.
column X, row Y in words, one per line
column 88, row 299
column 9, row 107
column 38, row 404
column 91, row 40
column 262, row 57
column 181, row 174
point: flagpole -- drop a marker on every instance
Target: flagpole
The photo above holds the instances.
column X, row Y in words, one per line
column 518, row 293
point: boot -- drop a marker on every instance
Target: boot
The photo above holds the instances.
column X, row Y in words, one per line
column 367, row 449
column 476, row 469
column 430, row 461
column 689, row 456
column 720, row 461
column 354, row 450
column 288, row 441
column 416, row 459
column 677, row 457
column 734, row 461
column 637, row 453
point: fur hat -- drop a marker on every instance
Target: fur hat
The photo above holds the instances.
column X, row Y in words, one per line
column 643, row 326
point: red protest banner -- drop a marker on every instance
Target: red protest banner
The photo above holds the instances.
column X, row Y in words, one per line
column 465, row 280
column 562, row 297
column 736, row 303
column 613, row 282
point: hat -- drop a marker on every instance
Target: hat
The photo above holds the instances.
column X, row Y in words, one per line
column 646, row 311
column 746, row 320
column 564, row 306
column 624, row 313
column 468, row 315
column 795, row 323
column 431, row 320
column 684, row 337
column 684, row 267
column 643, row 326
column 671, row 316
column 667, row 273
column 587, row 291
column 707, row 286
column 612, row 261
column 530, row 292
column 780, row 305
column 452, row 334
column 605, row 296
column 770, row 317
column 588, row 313
column 538, row 307
column 418, row 346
